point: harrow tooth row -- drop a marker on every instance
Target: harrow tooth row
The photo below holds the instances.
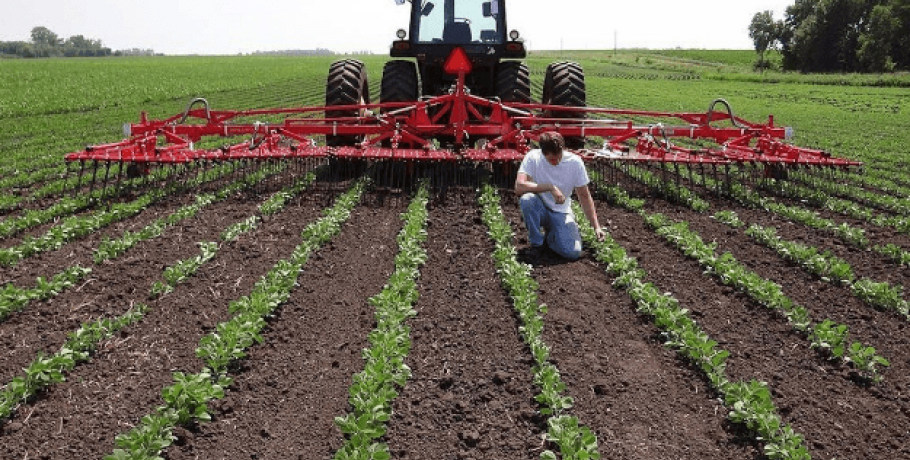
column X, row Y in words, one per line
column 451, row 129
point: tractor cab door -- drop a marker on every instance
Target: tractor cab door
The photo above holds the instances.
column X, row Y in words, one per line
column 461, row 22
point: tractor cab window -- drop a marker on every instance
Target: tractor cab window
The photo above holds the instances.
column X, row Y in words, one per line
column 459, row 22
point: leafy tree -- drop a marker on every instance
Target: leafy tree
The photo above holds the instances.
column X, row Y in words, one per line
column 44, row 36
column 846, row 35
column 764, row 33
column 79, row 41
column 874, row 51
column 900, row 47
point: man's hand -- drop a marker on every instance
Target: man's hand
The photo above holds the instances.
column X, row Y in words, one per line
column 558, row 197
column 600, row 234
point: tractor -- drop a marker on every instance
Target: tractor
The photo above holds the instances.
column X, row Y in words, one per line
column 470, row 33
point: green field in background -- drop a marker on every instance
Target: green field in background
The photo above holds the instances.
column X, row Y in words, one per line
column 52, row 106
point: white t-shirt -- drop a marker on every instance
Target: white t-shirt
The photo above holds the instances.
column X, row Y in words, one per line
column 568, row 174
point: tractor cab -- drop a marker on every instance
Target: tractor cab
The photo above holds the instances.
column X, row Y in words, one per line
column 478, row 27
column 476, row 24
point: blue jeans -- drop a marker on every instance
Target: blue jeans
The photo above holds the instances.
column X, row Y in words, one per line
column 559, row 230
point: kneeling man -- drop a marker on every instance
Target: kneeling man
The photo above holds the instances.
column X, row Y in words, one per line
column 546, row 179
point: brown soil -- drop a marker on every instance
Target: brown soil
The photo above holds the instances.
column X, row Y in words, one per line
column 471, row 394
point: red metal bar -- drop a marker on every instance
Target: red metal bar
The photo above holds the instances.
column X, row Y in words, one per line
column 405, row 130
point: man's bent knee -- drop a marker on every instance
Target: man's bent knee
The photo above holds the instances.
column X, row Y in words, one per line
column 572, row 252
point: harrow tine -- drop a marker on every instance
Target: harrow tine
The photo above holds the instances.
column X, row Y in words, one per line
column 186, row 178
column 691, row 182
column 716, row 180
column 678, row 175
column 704, row 179
column 107, row 173
column 387, row 180
column 66, row 175
column 174, row 177
column 94, row 175
column 119, row 186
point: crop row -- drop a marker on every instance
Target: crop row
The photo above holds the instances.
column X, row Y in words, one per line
column 768, row 294
column 46, row 371
column 75, row 227
column 575, row 441
column 186, row 400
column 182, row 270
column 674, row 191
column 78, row 226
column 894, row 253
column 34, row 217
column 749, row 198
column 833, row 269
column 818, row 198
column 109, row 248
column 899, row 206
column 13, row 298
column 826, row 335
column 71, row 205
column 894, row 182
column 881, row 180
column 21, row 179
column 891, row 251
column 384, row 370
column 749, row 403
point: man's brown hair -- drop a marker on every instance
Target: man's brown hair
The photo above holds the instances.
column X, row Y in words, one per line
column 552, row 142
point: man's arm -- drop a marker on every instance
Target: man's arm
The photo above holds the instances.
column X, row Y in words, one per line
column 587, row 205
column 525, row 184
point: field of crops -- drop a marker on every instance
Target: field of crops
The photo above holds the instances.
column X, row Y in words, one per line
column 259, row 311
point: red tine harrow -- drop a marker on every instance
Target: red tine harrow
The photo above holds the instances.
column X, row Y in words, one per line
column 456, row 128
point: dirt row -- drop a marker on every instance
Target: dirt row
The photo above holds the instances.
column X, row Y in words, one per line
column 173, row 201
column 111, row 287
column 471, row 394
column 107, row 396
column 638, row 396
column 289, row 390
column 820, row 399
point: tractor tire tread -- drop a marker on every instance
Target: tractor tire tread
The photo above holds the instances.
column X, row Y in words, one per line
column 513, row 82
column 399, row 82
column 346, row 85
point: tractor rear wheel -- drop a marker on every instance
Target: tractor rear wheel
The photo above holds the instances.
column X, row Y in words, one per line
column 399, row 82
column 513, row 82
column 346, row 85
column 564, row 84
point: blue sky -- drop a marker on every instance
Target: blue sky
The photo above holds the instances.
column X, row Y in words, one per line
column 244, row 26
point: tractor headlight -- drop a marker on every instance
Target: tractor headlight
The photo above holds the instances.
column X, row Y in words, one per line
column 514, row 35
column 401, row 34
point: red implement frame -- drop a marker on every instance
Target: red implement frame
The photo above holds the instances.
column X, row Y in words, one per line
column 406, row 131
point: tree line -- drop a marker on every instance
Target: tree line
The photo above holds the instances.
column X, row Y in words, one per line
column 46, row 43
column 836, row 36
